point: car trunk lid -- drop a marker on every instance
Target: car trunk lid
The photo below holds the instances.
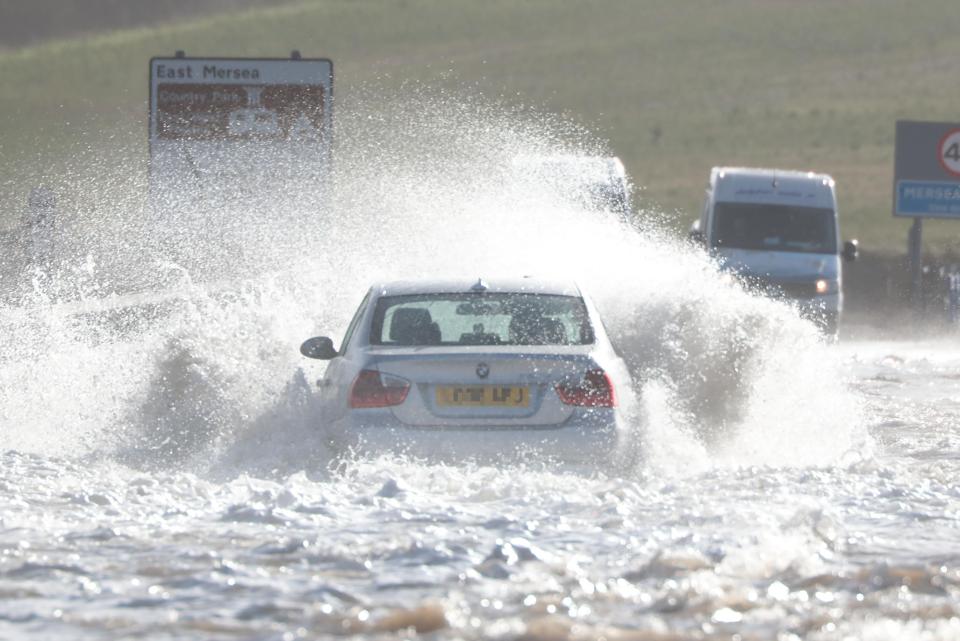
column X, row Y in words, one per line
column 488, row 388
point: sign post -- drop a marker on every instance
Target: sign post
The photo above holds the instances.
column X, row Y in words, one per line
column 915, row 251
column 926, row 183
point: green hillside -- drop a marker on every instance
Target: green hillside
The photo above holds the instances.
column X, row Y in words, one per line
column 24, row 23
column 675, row 87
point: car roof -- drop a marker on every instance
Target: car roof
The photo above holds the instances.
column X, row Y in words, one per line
column 571, row 165
column 757, row 185
column 770, row 173
column 527, row 284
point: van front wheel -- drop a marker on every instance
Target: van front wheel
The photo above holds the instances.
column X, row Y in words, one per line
column 829, row 324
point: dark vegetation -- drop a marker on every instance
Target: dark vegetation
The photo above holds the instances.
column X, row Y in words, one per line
column 26, row 22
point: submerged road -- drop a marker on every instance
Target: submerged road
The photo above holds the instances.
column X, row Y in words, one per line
column 862, row 545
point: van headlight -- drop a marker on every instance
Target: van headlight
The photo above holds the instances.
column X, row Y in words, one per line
column 825, row 286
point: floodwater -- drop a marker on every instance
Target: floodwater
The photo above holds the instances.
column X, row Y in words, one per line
column 164, row 475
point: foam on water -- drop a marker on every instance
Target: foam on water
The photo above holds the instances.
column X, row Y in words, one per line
column 207, row 379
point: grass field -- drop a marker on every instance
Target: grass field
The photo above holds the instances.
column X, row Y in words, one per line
column 674, row 86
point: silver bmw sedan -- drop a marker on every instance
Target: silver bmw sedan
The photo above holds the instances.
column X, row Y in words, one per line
column 473, row 369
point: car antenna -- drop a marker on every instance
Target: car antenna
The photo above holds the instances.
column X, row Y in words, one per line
column 479, row 286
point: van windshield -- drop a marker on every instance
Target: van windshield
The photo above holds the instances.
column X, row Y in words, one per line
column 785, row 228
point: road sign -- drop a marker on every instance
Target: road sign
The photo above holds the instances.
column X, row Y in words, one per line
column 236, row 116
column 240, row 150
column 230, row 99
column 927, row 170
column 928, row 199
column 950, row 152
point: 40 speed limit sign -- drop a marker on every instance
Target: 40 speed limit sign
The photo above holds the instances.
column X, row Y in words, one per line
column 950, row 152
column 927, row 170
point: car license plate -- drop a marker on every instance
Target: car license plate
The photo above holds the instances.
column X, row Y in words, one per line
column 483, row 396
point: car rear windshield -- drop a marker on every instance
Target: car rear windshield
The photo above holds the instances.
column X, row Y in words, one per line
column 785, row 228
column 481, row 319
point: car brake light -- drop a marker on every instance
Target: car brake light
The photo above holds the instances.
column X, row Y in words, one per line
column 595, row 390
column 376, row 389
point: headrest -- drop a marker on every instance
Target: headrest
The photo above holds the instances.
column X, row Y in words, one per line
column 410, row 325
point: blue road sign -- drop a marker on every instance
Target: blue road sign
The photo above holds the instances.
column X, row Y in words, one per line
column 930, row 199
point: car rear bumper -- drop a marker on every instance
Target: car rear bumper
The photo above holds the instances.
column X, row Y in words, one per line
column 591, row 437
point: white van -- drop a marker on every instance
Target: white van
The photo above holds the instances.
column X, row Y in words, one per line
column 778, row 231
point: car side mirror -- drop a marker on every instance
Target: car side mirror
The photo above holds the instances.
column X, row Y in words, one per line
column 319, row 347
column 851, row 249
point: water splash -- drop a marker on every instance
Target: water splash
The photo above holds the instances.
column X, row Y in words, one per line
column 424, row 185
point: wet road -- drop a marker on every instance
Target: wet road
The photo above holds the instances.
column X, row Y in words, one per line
column 862, row 545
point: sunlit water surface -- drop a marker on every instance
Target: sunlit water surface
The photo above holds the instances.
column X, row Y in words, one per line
column 164, row 474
